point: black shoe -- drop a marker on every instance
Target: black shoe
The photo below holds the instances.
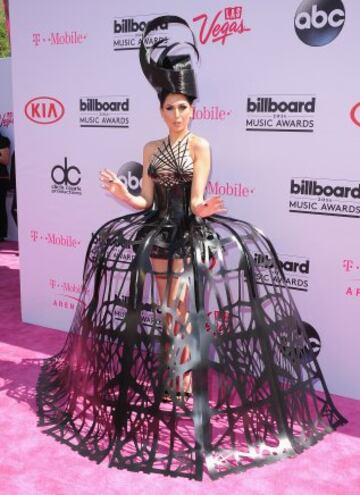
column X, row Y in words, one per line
column 166, row 397
column 186, row 395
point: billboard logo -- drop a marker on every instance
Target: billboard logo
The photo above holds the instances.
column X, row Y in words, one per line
column 330, row 197
column 44, row 110
column 128, row 31
column 280, row 113
column 129, row 25
column 104, row 111
column 296, row 270
column 319, row 22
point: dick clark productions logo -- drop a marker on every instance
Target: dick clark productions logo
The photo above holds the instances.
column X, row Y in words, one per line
column 66, row 179
column 319, row 22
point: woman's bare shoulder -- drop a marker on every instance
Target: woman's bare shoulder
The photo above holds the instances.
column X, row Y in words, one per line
column 199, row 143
column 152, row 145
column 150, row 149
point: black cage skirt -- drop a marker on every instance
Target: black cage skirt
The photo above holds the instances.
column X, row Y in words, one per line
column 224, row 343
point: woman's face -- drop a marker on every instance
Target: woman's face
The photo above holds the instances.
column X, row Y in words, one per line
column 176, row 112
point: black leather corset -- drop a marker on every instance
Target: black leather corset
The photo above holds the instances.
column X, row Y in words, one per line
column 173, row 202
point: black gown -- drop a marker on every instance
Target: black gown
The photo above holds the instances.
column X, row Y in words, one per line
column 219, row 375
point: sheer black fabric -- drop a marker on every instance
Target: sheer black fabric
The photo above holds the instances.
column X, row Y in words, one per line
column 218, row 374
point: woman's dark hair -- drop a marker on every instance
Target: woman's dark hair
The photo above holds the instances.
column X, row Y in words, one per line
column 170, row 73
column 162, row 95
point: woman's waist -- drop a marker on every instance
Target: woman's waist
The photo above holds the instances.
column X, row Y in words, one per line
column 173, row 202
column 172, row 217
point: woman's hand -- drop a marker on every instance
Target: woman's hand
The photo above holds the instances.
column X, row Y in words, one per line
column 209, row 206
column 113, row 184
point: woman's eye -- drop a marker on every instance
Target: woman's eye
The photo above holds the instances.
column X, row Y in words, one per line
column 169, row 108
column 182, row 107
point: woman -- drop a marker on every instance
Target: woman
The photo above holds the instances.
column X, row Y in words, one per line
column 183, row 353
column 176, row 110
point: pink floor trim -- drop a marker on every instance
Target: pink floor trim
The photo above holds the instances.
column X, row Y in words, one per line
column 32, row 463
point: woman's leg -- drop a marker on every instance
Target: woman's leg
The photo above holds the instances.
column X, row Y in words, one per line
column 173, row 290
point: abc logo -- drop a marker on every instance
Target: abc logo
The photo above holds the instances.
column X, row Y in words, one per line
column 313, row 336
column 65, row 175
column 318, row 22
column 130, row 174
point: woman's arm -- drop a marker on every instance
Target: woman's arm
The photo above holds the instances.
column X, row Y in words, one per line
column 201, row 170
column 113, row 184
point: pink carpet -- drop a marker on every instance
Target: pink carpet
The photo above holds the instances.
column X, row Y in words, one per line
column 32, row 463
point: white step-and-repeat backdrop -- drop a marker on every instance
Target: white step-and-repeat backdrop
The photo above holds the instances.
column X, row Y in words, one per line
column 279, row 103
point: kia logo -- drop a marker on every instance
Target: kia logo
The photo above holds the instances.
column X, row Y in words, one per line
column 318, row 22
column 355, row 114
column 44, row 110
column 65, row 175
